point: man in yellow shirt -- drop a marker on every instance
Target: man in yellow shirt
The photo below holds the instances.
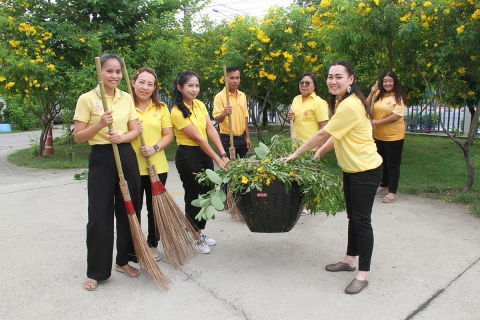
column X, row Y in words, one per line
column 238, row 112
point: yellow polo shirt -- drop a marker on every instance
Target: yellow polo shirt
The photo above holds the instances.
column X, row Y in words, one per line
column 198, row 118
column 393, row 131
column 352, row 137
column 308, row 114
column 153, row 121
column 89, row 109
column 239, row 111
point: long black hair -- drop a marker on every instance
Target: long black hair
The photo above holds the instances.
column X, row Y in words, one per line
column 354, row 89
column 400, row 95
column 181, row 79
column 314, row 79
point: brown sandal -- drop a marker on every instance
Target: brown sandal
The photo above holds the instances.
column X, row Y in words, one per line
column 356, row 286
column 389, row 198
column 128, row 271
column 339, row 266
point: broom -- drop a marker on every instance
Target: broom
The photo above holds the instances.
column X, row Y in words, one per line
column 171, row 222
column 234, row 212
column 144, row 256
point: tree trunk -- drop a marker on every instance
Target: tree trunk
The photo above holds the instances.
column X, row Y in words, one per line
column 471, row 170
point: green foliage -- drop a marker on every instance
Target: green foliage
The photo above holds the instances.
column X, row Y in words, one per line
column 321, row 190
column 81, row 176
column 18, row 116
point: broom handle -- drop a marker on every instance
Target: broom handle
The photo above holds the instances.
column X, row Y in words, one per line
column 231, row 150
column 129, row 87
column 105, row 109
column 373, row 98
column 291, row 129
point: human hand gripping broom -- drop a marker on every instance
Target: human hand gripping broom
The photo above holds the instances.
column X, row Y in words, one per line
column 145, row 258
column 171, row 223
column 234, row 212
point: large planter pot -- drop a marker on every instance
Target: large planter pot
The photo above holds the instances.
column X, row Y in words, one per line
column 273, row 209
column 5, row 127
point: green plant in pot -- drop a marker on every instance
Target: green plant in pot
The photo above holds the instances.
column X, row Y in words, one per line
column 319, row 189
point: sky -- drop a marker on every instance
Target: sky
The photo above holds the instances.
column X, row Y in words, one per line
column 220, row 9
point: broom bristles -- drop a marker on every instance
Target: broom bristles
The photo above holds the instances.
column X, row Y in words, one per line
column 176, row 233
column 234, row 212
column 144, row 255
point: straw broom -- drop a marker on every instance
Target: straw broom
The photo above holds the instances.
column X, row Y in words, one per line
column 171, row 223
column 234, row 212
column 144, row 256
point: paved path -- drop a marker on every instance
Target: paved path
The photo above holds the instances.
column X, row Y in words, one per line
column 426, row 262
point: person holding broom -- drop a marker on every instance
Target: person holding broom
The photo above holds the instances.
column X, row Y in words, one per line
column 308, row 112
column 349, row 131
column 158, row 133
column 104, row 195
column 193, row 127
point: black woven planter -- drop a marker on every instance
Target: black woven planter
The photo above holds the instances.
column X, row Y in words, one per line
column 273, row 209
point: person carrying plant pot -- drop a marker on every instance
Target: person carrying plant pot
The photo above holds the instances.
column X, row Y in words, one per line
column 193, row 127
column 308, row 112
column 349, row 131
column 390, row 104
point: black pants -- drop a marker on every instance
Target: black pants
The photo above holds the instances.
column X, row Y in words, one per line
column 240, row 144
column 146, row 187
column 360, row 189
column 391, row 152
column 190, row 160
column 104, row 200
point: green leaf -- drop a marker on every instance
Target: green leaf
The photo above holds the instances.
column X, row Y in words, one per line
column 222, row 195
column 213, row 176
column 210, row 212
column 199, row 216
column 261, row 151
column 217, row 203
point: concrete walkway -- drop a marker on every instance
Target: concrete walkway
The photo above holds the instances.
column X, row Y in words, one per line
column 426, row 262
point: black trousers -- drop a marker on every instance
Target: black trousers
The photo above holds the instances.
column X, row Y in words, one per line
column 240, row 144
column 360, row 190
column 391, row 152
column 104, row 201
column 190, row 160
column 146, row 187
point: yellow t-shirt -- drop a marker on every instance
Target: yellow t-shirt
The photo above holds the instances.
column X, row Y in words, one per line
column 308, row 114
column 352, row 137
column 393, row 131
column 89, row 109
column 198, row 118
column 239, row 111
column 153, row 121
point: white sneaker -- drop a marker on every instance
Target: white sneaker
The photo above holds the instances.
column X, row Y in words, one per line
column 209, row 241
column 201, row 246
column 155, row 253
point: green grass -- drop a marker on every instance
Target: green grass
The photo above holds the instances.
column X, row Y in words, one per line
column 432, row 166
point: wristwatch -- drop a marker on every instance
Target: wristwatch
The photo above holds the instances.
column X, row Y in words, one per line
column 156, row 148
column 224, row 155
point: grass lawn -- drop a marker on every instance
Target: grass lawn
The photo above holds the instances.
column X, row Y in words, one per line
column 432, row 166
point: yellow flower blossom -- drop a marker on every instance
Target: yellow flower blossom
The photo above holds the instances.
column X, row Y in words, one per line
column 268, row 182
column 46, row 88
column 260, row 169
column 324, row 3
column 476, row 14
column 264, row 175
column 425, row 25
column 50, row 66
column 473, row 57
column 288, row 30
column 429, row 64
column 427, row 4
column 312, row 44
column 262, row 37
column 9, row 85
column 244, row 180
column 462, row 70
column 292, row 173
column 460, row 29
column 447, row 11
column 2, row 78
column 471, row 93
column 272, row 77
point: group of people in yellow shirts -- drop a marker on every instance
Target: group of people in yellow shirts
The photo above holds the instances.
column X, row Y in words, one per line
column 344, row 123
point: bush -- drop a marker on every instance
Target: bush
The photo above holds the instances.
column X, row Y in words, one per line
column 16, row 114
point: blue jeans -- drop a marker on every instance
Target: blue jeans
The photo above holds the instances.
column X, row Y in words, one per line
column 360, row 189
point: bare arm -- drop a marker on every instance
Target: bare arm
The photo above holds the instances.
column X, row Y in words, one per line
column 225, row 113
column 327, row 146
column 314, row 141
column 387, row 120
column 167, row 138
column 247, row 135
column 84, row 133
column 213, row 134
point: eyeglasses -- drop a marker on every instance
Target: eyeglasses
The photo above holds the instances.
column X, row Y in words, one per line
column 305, row 83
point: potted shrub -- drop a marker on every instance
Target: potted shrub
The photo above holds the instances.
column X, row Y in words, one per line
column 269, row 192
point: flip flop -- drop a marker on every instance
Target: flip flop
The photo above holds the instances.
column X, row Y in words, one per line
column 305, row 212
column 389, row 198
column 382, row 191
column 90, row 282
column 127, row 273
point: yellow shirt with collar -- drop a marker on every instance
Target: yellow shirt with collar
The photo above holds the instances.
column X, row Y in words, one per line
column 154, row 119
column 198, row 119
column 352, row 137
column 239, row 111
column 393, row 131
column 308, row 114
column 89, row 109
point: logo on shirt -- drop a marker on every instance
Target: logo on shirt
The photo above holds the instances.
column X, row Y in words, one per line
column 97, row 106
column 305, row 113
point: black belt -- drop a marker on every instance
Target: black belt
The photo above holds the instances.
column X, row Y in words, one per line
column 234, row 137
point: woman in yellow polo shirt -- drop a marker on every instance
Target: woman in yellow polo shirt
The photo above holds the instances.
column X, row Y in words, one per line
column 349, row 131
column 103, row 189
column 388, row 123
column 309, row 112
column 193, row 127
column 158, row 134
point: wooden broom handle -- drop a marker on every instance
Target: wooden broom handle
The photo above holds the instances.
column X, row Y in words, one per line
column 231, row 150
column 130, row 91
column 105, row 109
